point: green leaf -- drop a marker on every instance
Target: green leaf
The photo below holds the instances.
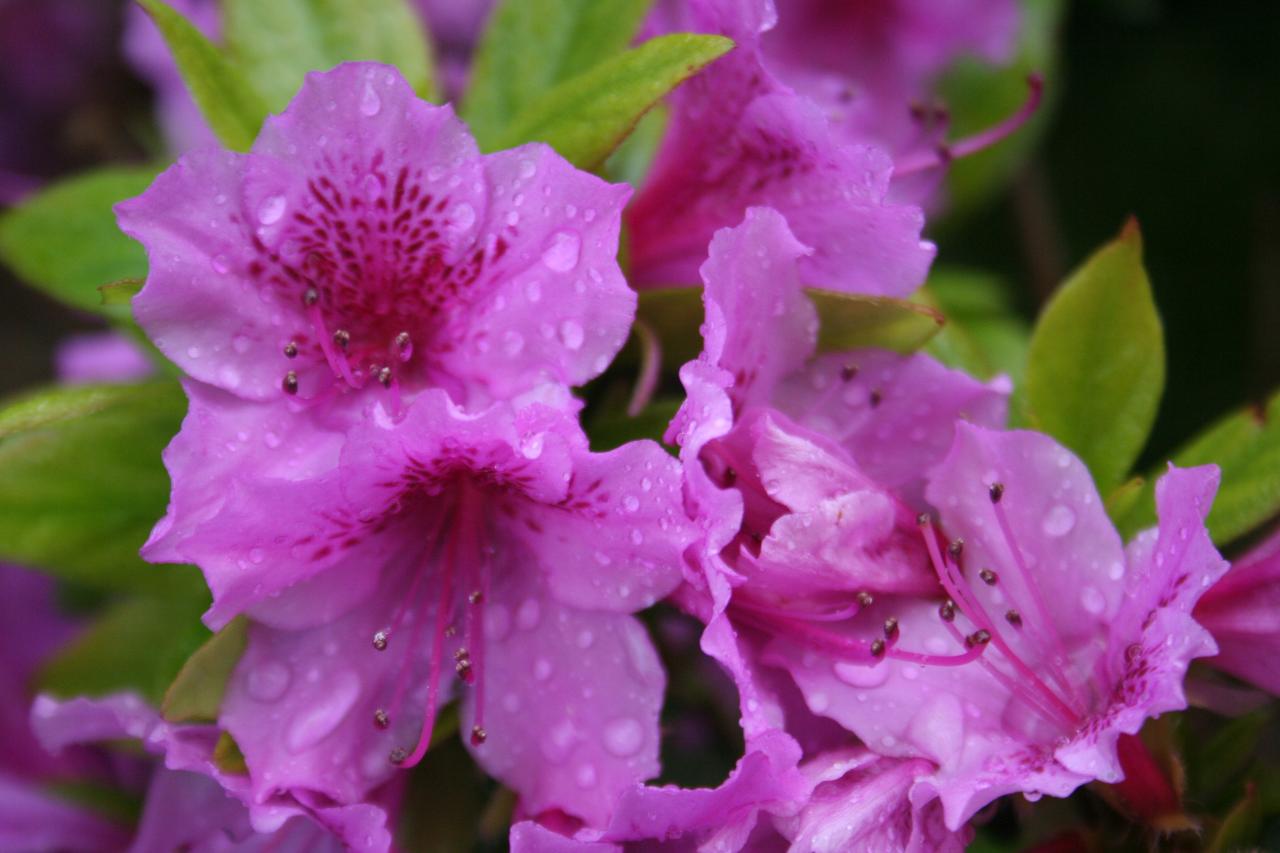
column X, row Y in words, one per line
column 850, row 321
column 196, row 693
column 226, row 99
column 983, row 335
column 139, row 644
column 617, row 428
column 120, row 292
column 1095, row 368
column 586, row 117
column 276, row 43
column 1246, row 446
column 82, row 483
column 228, row 757
column 65, row 240
column 531, row 45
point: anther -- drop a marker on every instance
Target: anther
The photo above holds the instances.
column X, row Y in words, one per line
column 1132, row 652
column 1014, row 618
column 865, row 599
column 875, row 399
column 290, row 383
column 848, row 372
column 475, row 597
column 877, row 648
column 310, row 297
column 996, row 491
column 398, row 755
column 380, row 641
column 979, row 637
column 891, row 628
column 402, row 340
column 478, row 735
column 342, row 337
column 955, row 548
column 947, row 611
column 291, row 349
column 380, row 719
column 988, row 577
column 730, row 476
column 460, row 654
column 924, row 518
column 384, row 376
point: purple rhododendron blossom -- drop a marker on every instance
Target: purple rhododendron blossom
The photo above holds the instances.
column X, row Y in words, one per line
column 101, row 357
column 491, row 549
column 739, row 137
column 872, row 65
column 1242, row 612
column 190, row 802
column 365, row 241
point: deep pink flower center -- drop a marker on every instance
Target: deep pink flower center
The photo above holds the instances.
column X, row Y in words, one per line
column 375, row 259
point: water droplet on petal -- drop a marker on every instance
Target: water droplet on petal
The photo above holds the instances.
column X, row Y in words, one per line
column 860, row 675
column 268, row 681
column 571, row 334
column 586, row 776
column 1059, row 521
column 529, row 614
column 1092, row 600
column 563, row 252
column 631, row 503
column 623, row 737
column 320, row 719
column 370, row 103
column 271, row 210
column 462, row 217
column 527, row 169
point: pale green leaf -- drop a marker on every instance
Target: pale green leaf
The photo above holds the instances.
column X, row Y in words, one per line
column 1095, row 369
column 196, row 693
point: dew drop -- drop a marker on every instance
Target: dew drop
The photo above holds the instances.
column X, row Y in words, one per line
column 220, row 265
column 563, row 252
column 571, row 334
column 512, row 343
column 1059, row 521
column 319, row 720
column 271, row 210
column 1091, row 600
column 586, row 776
column 529, row 614
column 462, row 217
column 527, row 169
column 623, row 737
column 631, row 503
column 268, row 681
column 857, row 675
column 542, row 669
column 370, row 103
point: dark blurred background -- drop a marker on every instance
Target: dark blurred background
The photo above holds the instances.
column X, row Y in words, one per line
column 1166, row 110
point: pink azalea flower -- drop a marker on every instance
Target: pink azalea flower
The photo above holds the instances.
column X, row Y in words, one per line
column 191, row 803
column 490, row 550
column 101, row 357
column 364, row 242
column 1242, row 612
column 872, row 65
column 739, row 137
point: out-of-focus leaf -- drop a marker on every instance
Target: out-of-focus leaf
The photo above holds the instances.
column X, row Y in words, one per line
column 631, row 161
column 82, row 483
column 228, row 757
column 587, row 116
column 1240, row 827
column 229, row 103
column 444, row 801
column 276, row 43
column 531, row 45
column 65, row 240
column 616, row 429
column 1246, row 446
column 196, row 693
column 983, row 335
column 851, row 321
column 1095, row 368
column 1217, row 764
column 978, row 96
column 139, row 644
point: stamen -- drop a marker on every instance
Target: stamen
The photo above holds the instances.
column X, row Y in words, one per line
column 310, row 297
column 996, row 491
column 1014, row 618
column 380, row 641
column 342, row 338
column 384, row 376
column 875, row 398
column 478, row 735
column 877, row 648
column 404, row 346
column 955, row 549
column 989, row 577
column 380, row 719
column 849, row 372
column 291, row 349
column 865, row 599
column 398, row 755
column 891, row 628
column 947, row 611
column 979, row 637
column 944, row 154
column 290, row 382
